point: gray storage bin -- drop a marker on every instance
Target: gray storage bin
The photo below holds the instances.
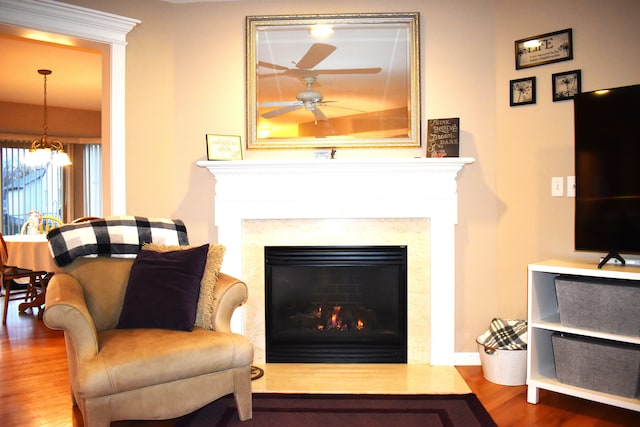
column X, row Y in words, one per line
column 596, row 364
column 605, row 305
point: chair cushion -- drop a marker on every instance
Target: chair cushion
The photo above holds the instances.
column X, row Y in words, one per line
column 204, row 313
column 163, row 289
column 135, row 358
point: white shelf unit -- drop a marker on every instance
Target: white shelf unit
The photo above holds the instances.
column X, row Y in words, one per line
column 544, row 320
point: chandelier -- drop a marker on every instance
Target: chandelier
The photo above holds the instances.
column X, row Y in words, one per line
column 44, row 150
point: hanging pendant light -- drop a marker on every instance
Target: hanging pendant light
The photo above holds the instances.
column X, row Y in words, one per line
column 43, row 150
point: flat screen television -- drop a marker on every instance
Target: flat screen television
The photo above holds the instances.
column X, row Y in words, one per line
column 607, row 166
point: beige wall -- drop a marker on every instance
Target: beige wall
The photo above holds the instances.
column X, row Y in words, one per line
column 535, row 142
column 185, row 78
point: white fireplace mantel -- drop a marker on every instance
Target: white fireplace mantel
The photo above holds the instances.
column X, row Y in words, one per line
column 348, row 188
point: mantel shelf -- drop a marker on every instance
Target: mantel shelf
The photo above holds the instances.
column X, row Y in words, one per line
column 307, row 165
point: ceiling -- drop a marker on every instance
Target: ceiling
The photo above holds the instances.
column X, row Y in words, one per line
column 76, row 79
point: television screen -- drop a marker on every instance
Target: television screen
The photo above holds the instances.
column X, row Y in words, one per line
column 607, row 163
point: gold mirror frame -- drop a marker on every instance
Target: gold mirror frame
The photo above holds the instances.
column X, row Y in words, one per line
column 358, row 86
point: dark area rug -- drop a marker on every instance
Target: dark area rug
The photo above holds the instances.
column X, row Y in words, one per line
column 318, row 410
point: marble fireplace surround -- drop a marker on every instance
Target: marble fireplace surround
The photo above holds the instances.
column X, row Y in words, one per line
column 410, row 201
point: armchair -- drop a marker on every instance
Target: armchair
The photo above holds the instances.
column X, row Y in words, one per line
column 152, row 374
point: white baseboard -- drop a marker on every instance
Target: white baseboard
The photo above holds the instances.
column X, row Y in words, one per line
column 466, row 359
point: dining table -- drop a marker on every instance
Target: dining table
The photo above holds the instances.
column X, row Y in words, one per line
column 32, row 252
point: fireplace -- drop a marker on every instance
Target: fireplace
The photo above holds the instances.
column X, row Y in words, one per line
column 336, row 304
column 323, row 202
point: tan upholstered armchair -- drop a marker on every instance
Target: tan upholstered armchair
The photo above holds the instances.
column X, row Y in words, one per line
column 130, row 374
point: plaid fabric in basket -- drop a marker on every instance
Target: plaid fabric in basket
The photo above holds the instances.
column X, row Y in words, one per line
column 118, row 236
column 505, row 334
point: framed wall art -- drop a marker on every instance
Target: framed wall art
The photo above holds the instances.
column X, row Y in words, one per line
column 522, row 91
column 224, row 147
column 544, row 49
column 344, row 80
column 566, row 85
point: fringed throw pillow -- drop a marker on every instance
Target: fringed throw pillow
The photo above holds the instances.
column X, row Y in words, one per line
column 215, row 255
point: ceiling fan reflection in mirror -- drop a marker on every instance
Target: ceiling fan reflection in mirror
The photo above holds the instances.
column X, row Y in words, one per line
column 305, row 70
column 317, row 53
column 308, row 98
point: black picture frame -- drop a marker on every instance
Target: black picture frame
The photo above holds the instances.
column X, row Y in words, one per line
column 566, row 85
column 544, row 49
column 522, row 91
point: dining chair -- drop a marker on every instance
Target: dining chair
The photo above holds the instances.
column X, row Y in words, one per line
column 84, row 219
column 13, row 284
column 48, row 222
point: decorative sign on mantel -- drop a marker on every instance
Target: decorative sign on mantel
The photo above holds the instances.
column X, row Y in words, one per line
column 223, row 147
column 443, row 137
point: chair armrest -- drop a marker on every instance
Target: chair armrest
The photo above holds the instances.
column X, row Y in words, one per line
column 66, row 309
column 229, row 294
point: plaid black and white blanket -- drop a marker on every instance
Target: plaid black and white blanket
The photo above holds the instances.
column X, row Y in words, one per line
column 118, row 236
column 504, row 334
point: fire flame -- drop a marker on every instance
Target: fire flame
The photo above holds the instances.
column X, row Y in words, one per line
column 333, row 322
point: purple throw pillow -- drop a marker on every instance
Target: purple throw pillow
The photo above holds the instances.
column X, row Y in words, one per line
column 163, row 290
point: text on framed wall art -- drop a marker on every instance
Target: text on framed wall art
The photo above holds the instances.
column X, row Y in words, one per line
column 544, row 49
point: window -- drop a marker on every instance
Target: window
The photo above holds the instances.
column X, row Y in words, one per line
column 92, row 179
column 47, row 189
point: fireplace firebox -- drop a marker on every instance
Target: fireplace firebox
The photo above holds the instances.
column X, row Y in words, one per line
column 336, row 304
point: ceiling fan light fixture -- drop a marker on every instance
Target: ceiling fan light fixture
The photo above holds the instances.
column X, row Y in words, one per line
column 309, row 97
column 43, row 150
column 321, row 31
column 264, row 132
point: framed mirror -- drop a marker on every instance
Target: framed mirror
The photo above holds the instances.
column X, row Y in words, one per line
column 348, row 80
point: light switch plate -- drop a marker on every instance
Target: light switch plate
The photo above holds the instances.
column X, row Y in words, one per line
column 571, row 186
column 557, row 186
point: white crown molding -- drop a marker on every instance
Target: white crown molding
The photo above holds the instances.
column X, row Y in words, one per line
column 67, row 19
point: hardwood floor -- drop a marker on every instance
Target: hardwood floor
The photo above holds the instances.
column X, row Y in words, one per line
column 509, row 408
column 34, row 388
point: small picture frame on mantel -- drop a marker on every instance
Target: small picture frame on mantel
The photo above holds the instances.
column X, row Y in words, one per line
column 443, row 137
column 224, row 147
